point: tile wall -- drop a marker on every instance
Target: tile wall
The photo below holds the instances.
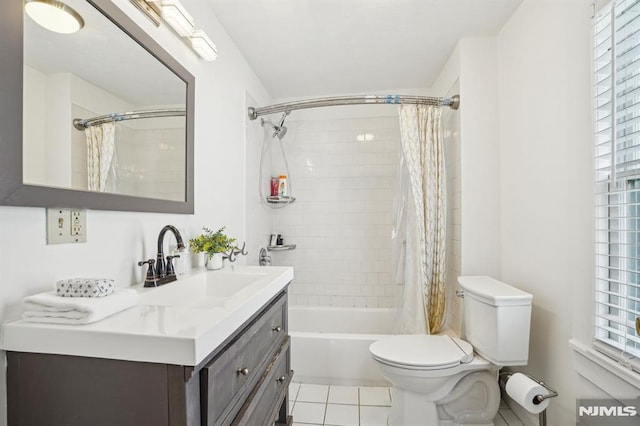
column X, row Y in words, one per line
column 343, row 174
column 150, row 162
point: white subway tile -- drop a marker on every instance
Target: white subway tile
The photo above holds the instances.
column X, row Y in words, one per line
column 385, row 277
column 348, row 301
column 391, row 290
column 386, row 302
column 342, row 220
column 379, row 291
column 372, row 302
column 324, row 301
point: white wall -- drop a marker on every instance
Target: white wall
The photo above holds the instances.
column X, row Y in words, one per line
column 472, row 70
column 116, row 240
column 473, row 172
column 546, row 182
column 480, row 172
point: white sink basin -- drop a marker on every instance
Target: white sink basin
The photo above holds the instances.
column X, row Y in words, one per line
column 208, row 290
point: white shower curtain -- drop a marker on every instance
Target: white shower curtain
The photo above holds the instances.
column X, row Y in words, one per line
column 419, row 244
column 100, row 153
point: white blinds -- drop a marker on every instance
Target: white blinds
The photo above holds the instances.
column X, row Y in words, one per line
column 617, row 164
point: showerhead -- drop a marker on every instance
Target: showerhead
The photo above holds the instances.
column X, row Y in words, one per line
column 280, row 129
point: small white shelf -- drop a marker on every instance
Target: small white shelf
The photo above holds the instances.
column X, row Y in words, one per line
column 280, row 200
column 282, row 247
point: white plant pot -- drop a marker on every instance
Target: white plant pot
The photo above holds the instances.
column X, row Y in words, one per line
column 214, row 262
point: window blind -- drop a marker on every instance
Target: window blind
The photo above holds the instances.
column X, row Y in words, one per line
column 617, row 174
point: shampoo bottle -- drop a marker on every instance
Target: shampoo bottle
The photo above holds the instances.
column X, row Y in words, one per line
column 283, row 186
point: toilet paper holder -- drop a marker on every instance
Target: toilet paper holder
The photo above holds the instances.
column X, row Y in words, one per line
column 542, row 416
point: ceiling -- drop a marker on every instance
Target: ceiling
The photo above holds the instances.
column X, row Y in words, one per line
column 302, row 48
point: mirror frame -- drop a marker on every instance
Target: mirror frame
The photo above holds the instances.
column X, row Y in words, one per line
column 13, row 190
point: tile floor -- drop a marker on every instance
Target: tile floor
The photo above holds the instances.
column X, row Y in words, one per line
column 353, row 406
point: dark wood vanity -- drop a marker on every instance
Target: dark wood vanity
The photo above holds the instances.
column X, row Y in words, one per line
column 244, row 381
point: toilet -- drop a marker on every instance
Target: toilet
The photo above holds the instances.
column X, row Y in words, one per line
column 445, row 380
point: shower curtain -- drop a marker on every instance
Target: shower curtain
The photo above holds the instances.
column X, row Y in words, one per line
column 419, row 244
column 100, row 153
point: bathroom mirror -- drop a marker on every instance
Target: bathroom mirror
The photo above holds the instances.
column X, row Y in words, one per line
column 101, row 118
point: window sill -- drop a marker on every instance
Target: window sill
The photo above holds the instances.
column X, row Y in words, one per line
column 604, row 372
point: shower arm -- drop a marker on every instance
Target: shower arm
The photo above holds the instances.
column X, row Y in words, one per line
column 453, row 103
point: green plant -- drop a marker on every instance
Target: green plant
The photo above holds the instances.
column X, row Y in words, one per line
column 211, row 242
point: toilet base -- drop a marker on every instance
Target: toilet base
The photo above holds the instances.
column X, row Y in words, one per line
column 411, row 409
column 474, row 400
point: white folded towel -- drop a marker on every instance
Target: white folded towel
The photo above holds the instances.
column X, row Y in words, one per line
column 50, row 308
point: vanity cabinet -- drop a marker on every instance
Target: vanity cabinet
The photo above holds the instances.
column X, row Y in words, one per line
column 244, row 381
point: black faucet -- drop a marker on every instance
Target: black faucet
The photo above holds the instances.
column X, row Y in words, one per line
column 161, row 272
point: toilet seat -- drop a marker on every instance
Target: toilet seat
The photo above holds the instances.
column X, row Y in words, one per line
column 422, row 352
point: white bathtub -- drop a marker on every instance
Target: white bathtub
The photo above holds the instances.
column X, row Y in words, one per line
column 331, row 345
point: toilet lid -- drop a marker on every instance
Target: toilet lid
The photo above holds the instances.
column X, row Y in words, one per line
column 422, row 351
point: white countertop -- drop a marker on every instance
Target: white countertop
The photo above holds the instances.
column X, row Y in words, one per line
column 178, row 323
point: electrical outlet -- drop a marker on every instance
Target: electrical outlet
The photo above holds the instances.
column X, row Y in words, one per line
column 66, row 226
column 78, row 222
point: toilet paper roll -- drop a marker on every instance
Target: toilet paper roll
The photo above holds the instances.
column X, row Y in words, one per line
column 523, row 390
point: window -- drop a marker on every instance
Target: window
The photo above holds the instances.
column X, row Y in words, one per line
column 617, row 164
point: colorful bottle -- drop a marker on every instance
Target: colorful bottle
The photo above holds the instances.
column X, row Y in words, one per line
column 283, row 186
column 275, row 183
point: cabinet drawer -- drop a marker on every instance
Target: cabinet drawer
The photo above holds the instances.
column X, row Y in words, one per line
column 227, row 380
column 264, row 403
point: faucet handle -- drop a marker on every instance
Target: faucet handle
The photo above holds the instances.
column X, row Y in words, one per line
column 170, row 269
column 264, row 259
column 151, row 279
column 235, row 251
column 243, row 251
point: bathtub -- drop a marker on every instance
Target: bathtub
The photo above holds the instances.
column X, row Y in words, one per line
column 331, row 345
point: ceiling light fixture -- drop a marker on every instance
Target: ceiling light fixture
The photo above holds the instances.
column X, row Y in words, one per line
column 203, row 45
column 54, row 16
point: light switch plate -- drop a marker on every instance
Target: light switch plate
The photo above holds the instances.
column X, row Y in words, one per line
column 66, row 226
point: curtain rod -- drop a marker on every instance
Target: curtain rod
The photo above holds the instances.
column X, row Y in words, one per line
column 82, row 124
column 453, row 103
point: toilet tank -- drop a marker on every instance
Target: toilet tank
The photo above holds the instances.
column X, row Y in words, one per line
column 497, row 320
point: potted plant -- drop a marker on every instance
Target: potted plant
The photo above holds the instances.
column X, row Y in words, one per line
column 213, row 245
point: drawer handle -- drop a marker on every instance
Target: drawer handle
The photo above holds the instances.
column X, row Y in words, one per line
column 243, row 371
column 277, row 329
column 281, row 379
